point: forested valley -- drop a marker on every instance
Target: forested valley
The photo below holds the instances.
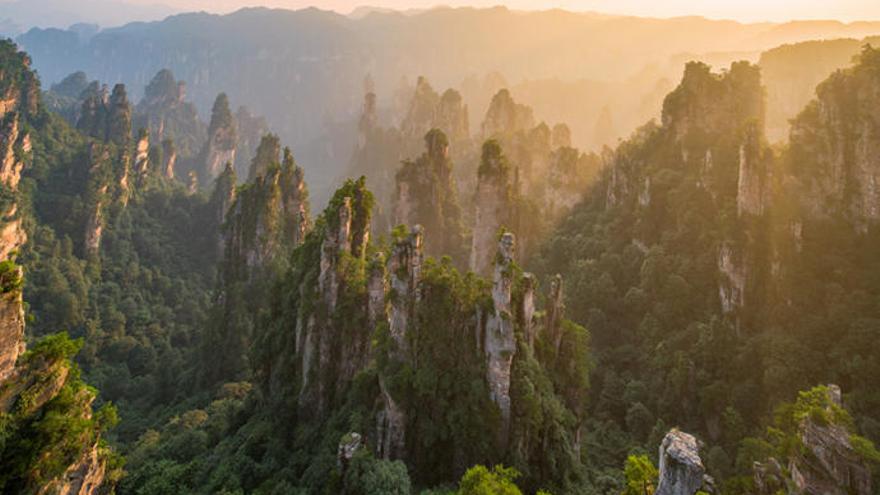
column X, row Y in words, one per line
column 482, row 303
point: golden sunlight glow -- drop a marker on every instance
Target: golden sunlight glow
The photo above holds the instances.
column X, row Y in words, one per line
column 742, row 10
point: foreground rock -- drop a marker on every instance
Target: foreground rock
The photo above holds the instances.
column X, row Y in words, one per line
column 681, row 470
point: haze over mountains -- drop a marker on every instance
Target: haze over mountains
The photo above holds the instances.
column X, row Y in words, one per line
column 17, row 16
column 304, row 70
column 460, row 251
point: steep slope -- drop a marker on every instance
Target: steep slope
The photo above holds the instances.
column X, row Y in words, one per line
column 51, row 437
column 720, row 276
column 373, row 348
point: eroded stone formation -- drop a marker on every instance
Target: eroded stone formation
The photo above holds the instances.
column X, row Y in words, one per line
column 142, row 154
column 506, row 117
column 14, row 147
column 166, row 114
column 681, row 469
column 222, row 138
column 169, row 158
column 428, row 110
column 330, row 359
column 28, row 383
column 266, row 219
column 828, row 464
column 500, row 341
column 835, row 146
column 712, row 135
column 426, row 195
column 493, row 201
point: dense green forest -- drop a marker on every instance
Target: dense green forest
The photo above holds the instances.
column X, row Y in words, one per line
column 486, row 312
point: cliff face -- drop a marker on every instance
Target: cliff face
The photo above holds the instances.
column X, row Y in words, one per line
column 164, row 111
column 267, row 154
column 452, row 116
column 261, row 223
column 98, row 197
column 222, row 139
column 825, row 459
column 32, row 452
column 331, row 351
column 681, row 469
column 268, row 217
column 500, row 341
column 429, row 110
column 427, row 195
column 506, row 117
column 356, row 325
column 710, row 142
column 493, row 201
column 142, row 155
column 835, row 145
column 169, row 159
column 249, row 130
column 18, row 93
column 11, row 325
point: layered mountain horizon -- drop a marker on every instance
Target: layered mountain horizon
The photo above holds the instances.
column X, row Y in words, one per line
column 218, row 278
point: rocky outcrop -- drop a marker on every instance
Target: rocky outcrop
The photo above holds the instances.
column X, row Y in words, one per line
column 405, row 267
column 368, row 122
column 561, row 137
column 500, row 341
column 428, row 110
column 493, row 202
column 718, row 105
column 566, row 179
column 268, row 218
column 826, row 461
column 426, row 195
column 835, row 145
column 711, row 139
column 11, row 323
column 165, row 112
column 266, row 155
column 30, row 381
column 506, row 117
column 349, row 445
column 452, row 116
column 85, row 477
column 329, row 359
column 681, row 470
column 142, row 154
column 97, row 198
column 733, row 274
column 222, row 139
column 249, row 130
column 422, row 110
column 753, row 187
column 555, row 313
column 109, row 119
column 529, row 283
column 118, row 110
column 222, row 200
column 830, row 464
column 169, row 158
column 17, row 89
column 14, row 145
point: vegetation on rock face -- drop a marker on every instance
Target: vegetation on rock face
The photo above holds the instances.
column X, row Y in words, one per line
column 50, row 424
column 250, row 349
column 671, row 250
column 427, row 195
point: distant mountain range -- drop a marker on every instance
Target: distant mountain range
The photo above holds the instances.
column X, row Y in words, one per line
column 305, row 70
column 17, row 16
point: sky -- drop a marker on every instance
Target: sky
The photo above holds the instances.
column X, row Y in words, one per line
column 742, row 10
